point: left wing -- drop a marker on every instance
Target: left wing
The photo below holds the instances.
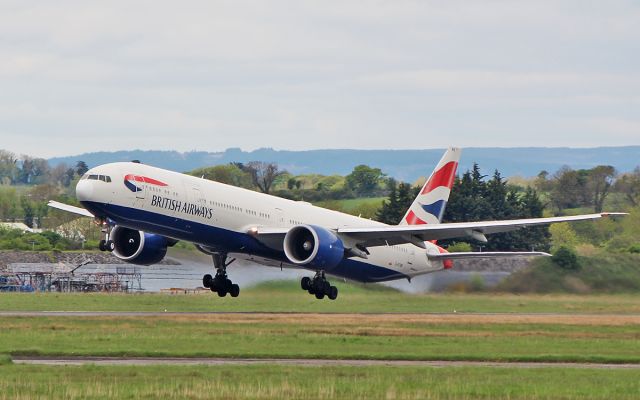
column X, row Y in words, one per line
column 417, row 234
column 69, row 208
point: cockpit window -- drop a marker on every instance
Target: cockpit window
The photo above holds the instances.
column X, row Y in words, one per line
column 103, row 178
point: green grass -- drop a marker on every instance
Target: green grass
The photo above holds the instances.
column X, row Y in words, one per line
column 325, row 336
column 603, row 272
column 286, row 296
column 278, row 382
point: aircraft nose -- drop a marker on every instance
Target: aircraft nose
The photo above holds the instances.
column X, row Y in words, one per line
column 84, row 190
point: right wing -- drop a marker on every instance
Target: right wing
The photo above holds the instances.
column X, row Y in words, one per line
column 69, row 208
column 417, row 234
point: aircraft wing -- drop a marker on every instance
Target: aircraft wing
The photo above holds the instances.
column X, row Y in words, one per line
column 69, row 208
column 417, row 234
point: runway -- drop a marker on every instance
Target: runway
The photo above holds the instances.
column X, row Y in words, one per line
column 287, row 313
column 305, row 362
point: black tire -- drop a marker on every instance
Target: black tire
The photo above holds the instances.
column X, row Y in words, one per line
column 110, row 245
column 325, row 287
column 102, row 245
column 333, row 293
column 311, row 291
column 207, row 281
column 305, row 283
column 235, row 290
column 320, row 296
column 222, row 292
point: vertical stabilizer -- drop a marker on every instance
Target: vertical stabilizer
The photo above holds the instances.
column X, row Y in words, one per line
column 429, row 205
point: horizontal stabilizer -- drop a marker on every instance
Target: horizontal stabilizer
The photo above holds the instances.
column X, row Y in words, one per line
column 69, row 208
column 485, row 254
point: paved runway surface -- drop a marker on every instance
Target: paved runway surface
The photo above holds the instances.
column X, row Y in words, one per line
column 302, row 362
column 200, row 313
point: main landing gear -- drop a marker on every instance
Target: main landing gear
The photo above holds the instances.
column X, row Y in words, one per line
column 221, row 283
column 319, row 286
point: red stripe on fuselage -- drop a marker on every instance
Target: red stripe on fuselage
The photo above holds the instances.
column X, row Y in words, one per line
column 443, row 177
column 144, row 179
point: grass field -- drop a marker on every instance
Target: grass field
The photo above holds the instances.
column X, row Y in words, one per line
column 286, row 296
column 612, row 339
column 601, row 328
column 278, row 382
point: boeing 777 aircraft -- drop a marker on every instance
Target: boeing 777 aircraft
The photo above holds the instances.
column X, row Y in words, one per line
column 144, row 209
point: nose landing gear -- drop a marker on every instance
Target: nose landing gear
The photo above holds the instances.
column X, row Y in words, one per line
column 319, row 286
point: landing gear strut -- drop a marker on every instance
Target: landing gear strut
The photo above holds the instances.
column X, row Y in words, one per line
column 319, row 286
column 106, row 244
column 221, row 283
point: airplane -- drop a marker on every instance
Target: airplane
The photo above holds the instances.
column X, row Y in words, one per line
column 143, row 210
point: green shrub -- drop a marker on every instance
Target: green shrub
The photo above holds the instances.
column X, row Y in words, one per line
column 566, row 258
column 458, row 247
column 634, row 248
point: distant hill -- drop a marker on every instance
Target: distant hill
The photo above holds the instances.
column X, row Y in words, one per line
column 407, row 165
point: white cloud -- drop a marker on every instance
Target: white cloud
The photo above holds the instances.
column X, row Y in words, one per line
column 84, row 76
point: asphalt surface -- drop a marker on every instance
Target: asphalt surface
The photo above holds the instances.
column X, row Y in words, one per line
column 60, row 361
column 195, row 313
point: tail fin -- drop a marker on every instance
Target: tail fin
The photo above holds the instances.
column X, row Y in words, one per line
column 429, row 205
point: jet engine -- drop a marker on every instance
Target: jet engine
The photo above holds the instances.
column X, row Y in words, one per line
column 138, row 247
column 313, row 247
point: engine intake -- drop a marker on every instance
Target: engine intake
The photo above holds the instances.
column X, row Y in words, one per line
column 138, row 247
column 313, row 246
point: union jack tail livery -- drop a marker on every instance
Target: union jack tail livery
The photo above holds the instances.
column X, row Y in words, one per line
column 429, row 205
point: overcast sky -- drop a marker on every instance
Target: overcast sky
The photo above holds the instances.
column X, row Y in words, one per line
column 78, row 76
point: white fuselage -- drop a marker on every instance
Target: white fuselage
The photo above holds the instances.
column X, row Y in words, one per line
column 221, row 217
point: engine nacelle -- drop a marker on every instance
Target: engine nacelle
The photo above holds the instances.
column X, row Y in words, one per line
column 313, row 246
column 138, row 247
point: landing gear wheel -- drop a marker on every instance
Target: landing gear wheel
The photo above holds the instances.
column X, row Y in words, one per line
column 333, row 293
column 305, row 283
column 221, row 284
column 319, row 286
column 110, row 245
column 102, row 245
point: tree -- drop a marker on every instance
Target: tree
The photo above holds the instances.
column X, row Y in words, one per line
column 8, row 168
column 388, row 213
column 473, row 199
column 600, row 180
column 629, row 185
column 263, row 174
column 230, row 174
column 363, row 180
column 81, row 168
